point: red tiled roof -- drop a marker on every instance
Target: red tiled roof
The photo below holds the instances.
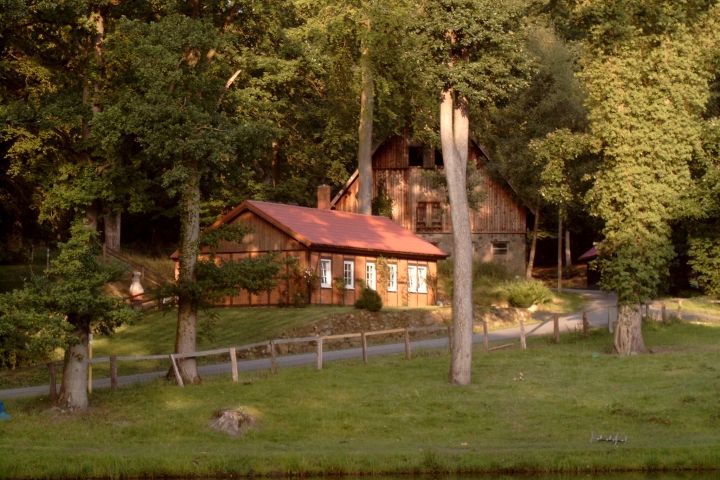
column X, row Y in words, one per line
column 316, row 228
column 592, row 253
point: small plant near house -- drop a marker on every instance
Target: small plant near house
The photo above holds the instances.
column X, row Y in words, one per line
column 382, row 205
column 526, row 294
column 299, row 283
column 341, row 287
column 369, row 300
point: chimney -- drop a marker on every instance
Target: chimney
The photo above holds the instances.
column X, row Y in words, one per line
column 323, row 197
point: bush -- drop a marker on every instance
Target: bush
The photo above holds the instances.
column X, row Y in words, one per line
column 369, row 300
column 490, row 271
column 526, row 294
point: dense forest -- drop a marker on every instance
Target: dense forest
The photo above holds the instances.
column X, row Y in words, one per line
column 153, row 118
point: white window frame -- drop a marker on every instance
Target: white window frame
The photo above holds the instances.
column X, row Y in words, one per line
column 422, row 279
column 349, row 274
column 412, row 278
column 392, row 277
column 325, row 273
column 370, row 276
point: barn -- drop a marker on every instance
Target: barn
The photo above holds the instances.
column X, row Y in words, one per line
column 340, row 247
column 398, row 165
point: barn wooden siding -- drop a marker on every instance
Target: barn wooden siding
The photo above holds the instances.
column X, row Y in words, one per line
column 407, row 186
column 267, row 238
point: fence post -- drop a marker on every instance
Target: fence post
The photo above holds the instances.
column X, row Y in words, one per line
column 113, row 373
column 450, row 337
column 273, row 360
column 53, row 381
column 523, row 345
column 233, row 364
column 556, row 328
column 679, row 314
column 408, row 354
column 664, row 312
column 104, row 253
column 610, row 327
column 486, row 341
column 178, row 378
column 364, row 347
column 586, row 325
column 319, row 343
column 647, row 309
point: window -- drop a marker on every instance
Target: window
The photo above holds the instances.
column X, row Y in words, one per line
column 325, row 273
column 349, row 274
column 439, row 159
column 392, row 277
column 500, row 249
column 370, row 275
column 417, row 276
column 412, row 278
column 428, row 216
column 415, row 156
column 422, row 275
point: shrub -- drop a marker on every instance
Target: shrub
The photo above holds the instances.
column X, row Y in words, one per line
column 526, row 294
column 369, row 300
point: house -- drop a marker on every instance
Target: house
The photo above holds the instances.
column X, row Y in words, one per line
column 398, row 164
column 339, row 247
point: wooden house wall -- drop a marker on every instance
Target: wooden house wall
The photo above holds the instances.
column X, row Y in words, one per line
column 392, row 154
column 331, row 296
column 407, row 186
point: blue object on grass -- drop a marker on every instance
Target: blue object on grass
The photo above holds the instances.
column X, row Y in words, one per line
column 3, row 415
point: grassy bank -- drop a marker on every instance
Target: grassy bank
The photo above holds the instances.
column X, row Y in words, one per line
column 525, row 410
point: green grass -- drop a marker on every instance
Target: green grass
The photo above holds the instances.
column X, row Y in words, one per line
column 13, row 276
column 529, row 410
column 565, row 302
column 694, row 306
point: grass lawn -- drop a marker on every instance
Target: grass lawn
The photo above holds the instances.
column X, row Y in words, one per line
column 529, row 410
column 693, row 306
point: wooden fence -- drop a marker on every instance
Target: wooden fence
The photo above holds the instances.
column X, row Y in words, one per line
column 319, row 342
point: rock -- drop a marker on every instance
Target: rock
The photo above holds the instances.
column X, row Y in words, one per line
column 233, row 422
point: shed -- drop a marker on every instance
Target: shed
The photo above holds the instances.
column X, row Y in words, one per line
column 340, row 247
column 399, row 164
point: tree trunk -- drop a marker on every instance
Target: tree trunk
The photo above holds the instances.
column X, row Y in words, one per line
column 365, row 189
column 568, row 258
column 533, row 245
column 559, row 252
column 454, row 134
column 628, row 333
column 112, row 230
column 74, row 388
column 186, row 334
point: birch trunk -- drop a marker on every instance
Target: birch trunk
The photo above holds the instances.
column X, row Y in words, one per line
column 568, row 257
column 533, row 245
column 186, row 335
column 628, row 333
column 365, row 188
column 559, row 253
column 454, row 134
column 74, row 387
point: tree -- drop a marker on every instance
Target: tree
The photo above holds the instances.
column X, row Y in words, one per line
column 62, row 310
column 552, row 100
column 474, row 56
column 191, row 92
column 648, row 86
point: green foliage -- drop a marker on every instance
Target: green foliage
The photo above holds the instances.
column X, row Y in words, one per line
column 49, row 311
column 369, row 300
column 524, row 294
column 382, row 204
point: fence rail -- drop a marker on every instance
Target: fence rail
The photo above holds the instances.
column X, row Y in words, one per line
column 321, row 339
column 146, row 274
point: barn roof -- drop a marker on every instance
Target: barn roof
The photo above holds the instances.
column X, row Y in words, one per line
column 338, row 230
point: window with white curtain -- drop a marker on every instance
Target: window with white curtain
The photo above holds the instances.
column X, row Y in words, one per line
column 370, row 276
column 325, row 273
column 392, row 277
column 349, row 274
